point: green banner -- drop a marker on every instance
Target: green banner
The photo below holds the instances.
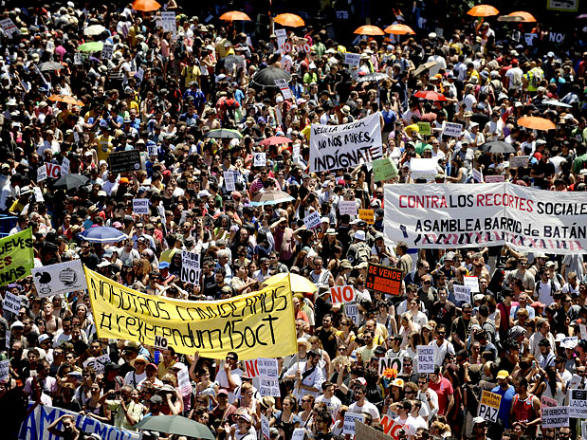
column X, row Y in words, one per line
column 16, row 256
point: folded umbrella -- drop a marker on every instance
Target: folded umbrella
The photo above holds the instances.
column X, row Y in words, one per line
column 103, row 234
column 50, row 66
column 178, row 425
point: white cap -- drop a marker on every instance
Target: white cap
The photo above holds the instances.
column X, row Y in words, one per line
column 359, row 235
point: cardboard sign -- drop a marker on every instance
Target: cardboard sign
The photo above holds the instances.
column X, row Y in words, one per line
column 53, row 170
column 452, row 129
column 368, row 215
column 342, row 294
column 259, row 159
column 11, row 303
column 519, row 161
column 555, row 417
column 107, row 51
column 384, row 279
column 384, row 169
column 190, row 268
column 140, row 206
column 489, row 406
column 312, row 220
column 352, row 59
column 426, row 355
column 59, row 279
column 348, row 207
column 424, row 128
column 42, row 173
column 230, row 180
column 349, row 422
column 9, row 28
column 390, row 428
column 462, row 293
column 496, row 178
column 472, row 283
column 578, row 403
column 4, row 370
column 124, row 161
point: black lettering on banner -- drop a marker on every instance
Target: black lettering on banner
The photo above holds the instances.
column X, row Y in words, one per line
column 106, row 321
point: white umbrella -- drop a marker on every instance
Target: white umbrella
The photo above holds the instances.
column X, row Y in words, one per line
column 95, row 29
column 555, row 103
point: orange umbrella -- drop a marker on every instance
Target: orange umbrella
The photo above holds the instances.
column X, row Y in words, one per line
column 483, row 11
column 369, row 29
column 536, row 123
column 291, row 20
column 526, row 16
column 66, row 99
column 146, row 5
column 235, row 16
column 399, row 29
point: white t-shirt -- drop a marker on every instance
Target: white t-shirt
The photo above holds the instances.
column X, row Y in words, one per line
column 133, row 379
column 222, row 380
column 367, row 407
column 333, row 404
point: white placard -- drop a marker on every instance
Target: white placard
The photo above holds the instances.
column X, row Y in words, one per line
column 352, row 311
column 42, row 173
column 489, row 406
column 259, row 159
column 7, row 338
column 268, row 368
column 38, row 194
column 230, row 180
column 298, row 434
column 140, row 74
column 140, row 206
column 426, row 355
column 53, row 170
column 472, row 283
column 98, row 363
column 11, row 303
column 334, row 147
column 349, row 422
column 4, row 370
column 312, row 220
column 183, row 382
column 9, row 27
column 583, row 330
column 265, row 428
column 555, row 417
column 65, row 166
column 423, row 168
column 452, row 129
column 268, row 387
column 77, row 58
column 578, row 403
column 190, row 267
column 59, row 279
column 494, row 178
column 168, row 22
column 462, row 293
column 477, row 175
column 342, row 294
column 152, row 150
column 349, row 207
column 286, row 93
column 107, row 51
column 280, row 33
column 281, row 83
column 352, row 59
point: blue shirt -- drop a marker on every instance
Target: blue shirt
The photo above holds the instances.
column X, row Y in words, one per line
column 507, row 397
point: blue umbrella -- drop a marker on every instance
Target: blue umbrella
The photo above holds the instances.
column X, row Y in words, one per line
column 103, row 234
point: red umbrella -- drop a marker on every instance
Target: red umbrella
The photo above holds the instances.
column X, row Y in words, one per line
column 430, row 95
column 275, row 140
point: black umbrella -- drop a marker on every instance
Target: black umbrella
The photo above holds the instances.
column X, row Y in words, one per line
column 265, row 78
column 72, row 181
column 497, row 147
column 49, row 66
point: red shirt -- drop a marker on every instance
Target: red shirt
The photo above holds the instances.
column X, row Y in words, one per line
column 444, row 389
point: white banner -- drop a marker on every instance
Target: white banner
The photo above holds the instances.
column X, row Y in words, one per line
column 555, row 417
column 439, row 216
column 426, row 355
column 333, row 147
column 59, row 279
column 140, row 206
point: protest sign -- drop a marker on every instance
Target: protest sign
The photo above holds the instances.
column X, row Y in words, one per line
column 265, row 428
column 247, row 324
column 230, row 180
column 365, row 432
column 333, row 147
column 489, row 406
column 53, row 170
column 269, row 387
column 42, row 173
column 352, row 311
column 268, row 367
column 77, row 58
column 424, row 128
column 350, row 418
column 4, row 370
column 426, row 355
column 352, row 59
column 437, row 216
column 423, row 168
column 349, row 207
column 107, row 51
column 183, row 381
column 16, row 256
column 312, row 220
column 168, row 22
column 452, row 129
column 548, row 402
column 190, row 267
column 462, row 293
column 123, row 161
column 472, row 283
column 384, row 169
column 152, row 150
column 583, row 331
column 519, row 161
column 38, row 194
column 477, row 175
column 59, row 279
column 494, row 178
column 98, row 363
column 35, row 426
column 65, row 166
column 368, row 215
column 259, row 159
column 11, row 303
column 384, row 279
column 9, row 28
column 555, row 417
column 298, row 434
column 577, row 403
column 140, row 206
column 342, row 294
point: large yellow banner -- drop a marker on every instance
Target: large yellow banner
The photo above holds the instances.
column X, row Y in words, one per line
column 258, row 324
column 16, row 256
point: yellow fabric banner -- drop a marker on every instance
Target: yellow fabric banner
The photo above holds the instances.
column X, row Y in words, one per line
column 16, row 256
column 258, row 324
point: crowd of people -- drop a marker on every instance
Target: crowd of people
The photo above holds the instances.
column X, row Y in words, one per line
column 165, row 94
